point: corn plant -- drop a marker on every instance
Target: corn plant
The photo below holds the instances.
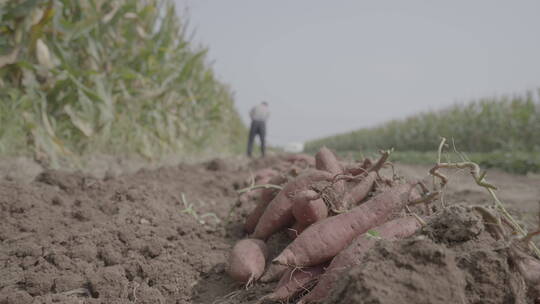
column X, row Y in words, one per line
column 487, row 125
column 118, row 77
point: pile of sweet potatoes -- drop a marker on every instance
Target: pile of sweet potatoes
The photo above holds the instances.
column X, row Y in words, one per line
column 333, row 212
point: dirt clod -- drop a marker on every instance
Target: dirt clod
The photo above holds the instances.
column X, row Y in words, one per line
column 109, row 283
column 455, row 225
column 436, row 266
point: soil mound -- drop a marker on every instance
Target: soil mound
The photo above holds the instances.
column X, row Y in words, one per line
column 452, row 260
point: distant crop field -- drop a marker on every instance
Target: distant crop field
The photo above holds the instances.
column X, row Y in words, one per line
column 499, row 132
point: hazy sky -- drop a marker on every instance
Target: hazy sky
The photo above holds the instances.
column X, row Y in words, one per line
column 327, row 66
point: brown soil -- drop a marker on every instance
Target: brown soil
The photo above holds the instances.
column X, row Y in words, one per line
column 163, row 236
column 155, row 236
column 453, row 260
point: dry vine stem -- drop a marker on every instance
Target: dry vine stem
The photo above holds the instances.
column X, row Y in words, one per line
column 480, row 180
column 380, row 163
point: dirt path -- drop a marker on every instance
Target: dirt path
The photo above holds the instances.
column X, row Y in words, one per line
column 154, row 236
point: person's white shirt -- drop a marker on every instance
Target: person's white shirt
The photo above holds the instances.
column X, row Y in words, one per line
column 259, row 112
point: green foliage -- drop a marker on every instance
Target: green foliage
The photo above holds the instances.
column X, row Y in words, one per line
column 373, row 234
column 112, row 76
column 498, row 127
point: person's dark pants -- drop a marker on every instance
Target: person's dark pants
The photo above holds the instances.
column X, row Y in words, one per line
column 257, row 128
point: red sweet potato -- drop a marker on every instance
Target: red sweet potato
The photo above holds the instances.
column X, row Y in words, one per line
column 278, row 214
column 253, row 217
column 358, row 168
column 266, row 196
column 262, row 176
column 309, row 208
column 360, row 191
column 247, row 260
column 326, row 160
column 352, row 255
column 293, row 282
column 255, row 194
column 247, row 197
column 295, row 230
column 324, row 239
column 274, row 272
column 301, row 158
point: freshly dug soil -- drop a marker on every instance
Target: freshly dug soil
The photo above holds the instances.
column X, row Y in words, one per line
column 164, row 235
column 452, row 260
column 149, row 237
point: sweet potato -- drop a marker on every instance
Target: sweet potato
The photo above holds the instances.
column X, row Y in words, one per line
column 293, row 282
column 309, row 208
column 262, row 176
column 250, row 196
column 360, row 191
column 255, row 194
column 295, row 230
column 253, row 217
column 301, row 158
column 247, row 260
column 352, row 255
column 274, row 272
column 266, row 196
column 278, row 214
column 326, row 160
column 324, row 239
column 358, row 168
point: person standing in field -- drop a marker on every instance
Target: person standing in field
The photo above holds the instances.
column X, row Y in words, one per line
column 259, row 115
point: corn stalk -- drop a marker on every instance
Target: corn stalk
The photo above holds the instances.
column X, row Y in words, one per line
column 111, row 76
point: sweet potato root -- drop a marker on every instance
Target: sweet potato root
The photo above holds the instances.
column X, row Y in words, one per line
column 360, row 191
column 278, row 214
column 324, row 239
column 293, row 282
column 301, row 158
column 262, row 176
column 309, row 208
column 295, row 230
column 253, row 217
column 358, row 168
column 255, row 194
column 266, row 196
column 274, row 272
column 326, row 160
column 247, row 260
column 352, row 255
